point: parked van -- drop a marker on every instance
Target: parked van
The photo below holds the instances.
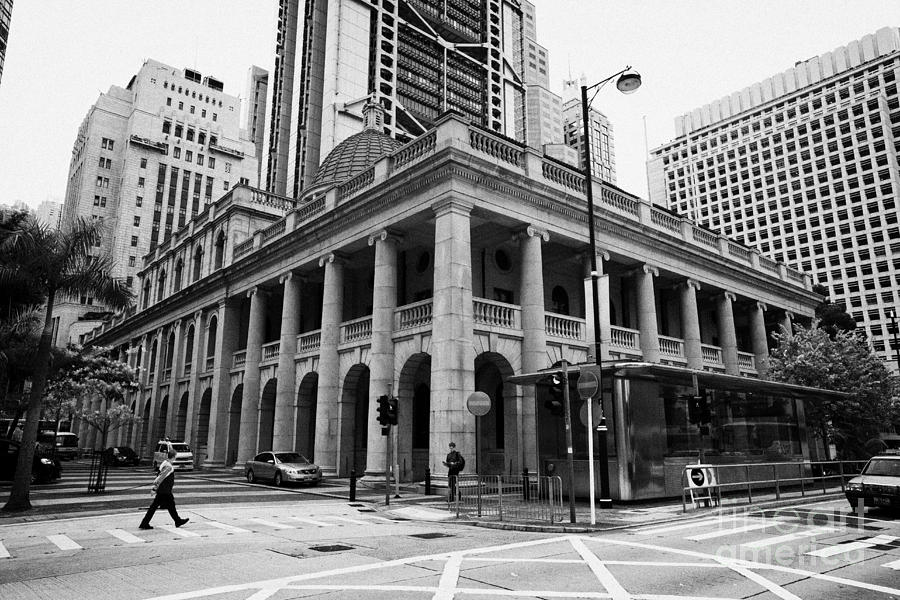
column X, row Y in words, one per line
column 64, row 444
column 184, row 459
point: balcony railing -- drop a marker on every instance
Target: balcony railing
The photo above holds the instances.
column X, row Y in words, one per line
column 563, row 326
column 712, row 355
column 356, row 330
column 226, row 150
column 210, row 363
column 625, row 339
column 187, row 370
column 239, row 360
column 671, row 348
column 310, row 341
column 496, row 314
column 271, row 350
column 747, row 361
column 148, row 143
column 418, row 314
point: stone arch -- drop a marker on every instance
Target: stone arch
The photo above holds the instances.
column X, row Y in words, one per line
column 498, row 431
column 161, row 285
column 353, row 411
column 234, row 424
column 160, row 432
column 129, row 431
column 181, row 418
column 267, row 417
column 219, row 255
column 203, row 423
column 307, row 400
column 189, row 347
column 145, row 428
column 198, row 263
column 414, row 408
column 178, row 274
column 211, row 332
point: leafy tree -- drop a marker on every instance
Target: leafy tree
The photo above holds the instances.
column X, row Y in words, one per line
column 843, row 363
column 832, row 317
column 107, row 420
column 60, row 264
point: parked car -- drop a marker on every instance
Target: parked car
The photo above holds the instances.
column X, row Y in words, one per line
column 183, row 461
column 44, row 469
column 878, row 484
column 67, row 445
column 281, row 468
column 121, row 456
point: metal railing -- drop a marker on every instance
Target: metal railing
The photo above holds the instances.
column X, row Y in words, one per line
column 524, row 497
column 740, row 482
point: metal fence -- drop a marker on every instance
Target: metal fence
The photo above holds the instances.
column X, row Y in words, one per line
column 521, row 498
column 745, row 481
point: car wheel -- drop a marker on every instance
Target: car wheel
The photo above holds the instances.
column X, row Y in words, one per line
column 278, row 481
column 251, row 478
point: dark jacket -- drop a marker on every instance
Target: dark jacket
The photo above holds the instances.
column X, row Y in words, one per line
column 454, row 462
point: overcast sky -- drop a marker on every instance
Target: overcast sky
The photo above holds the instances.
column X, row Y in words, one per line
column 63, row 53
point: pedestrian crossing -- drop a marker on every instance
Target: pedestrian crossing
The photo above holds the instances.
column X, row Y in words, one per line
column 82, row 536
column 755, row 533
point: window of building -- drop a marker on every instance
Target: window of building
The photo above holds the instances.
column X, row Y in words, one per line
column 190, row 134
column 134, row 241
column 215, row 117
column 102, row 182
column 180, row 105
column 212, row 162
column 192, row 109
column 139, row 201
column 178, row 130
column 225, row 184
column 168, row 102
column 203, row 113
column 167, row 126
column 176, row 152
column 228, row 167
column 143, row 163
column 201, row 138
column 200, row 159
column 141, row 182
column 107, row 144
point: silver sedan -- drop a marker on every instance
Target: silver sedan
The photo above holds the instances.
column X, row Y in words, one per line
column 281, row 468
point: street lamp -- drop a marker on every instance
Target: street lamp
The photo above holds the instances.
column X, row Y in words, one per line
column 628, row 82
column 893, row 315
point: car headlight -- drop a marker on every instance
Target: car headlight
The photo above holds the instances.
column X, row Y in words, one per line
column 46, row 461
column 291, row 471
column 855, row 487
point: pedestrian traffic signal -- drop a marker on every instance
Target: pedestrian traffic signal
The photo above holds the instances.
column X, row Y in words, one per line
column 392, row 411
column 384, row 418
column 557, row 394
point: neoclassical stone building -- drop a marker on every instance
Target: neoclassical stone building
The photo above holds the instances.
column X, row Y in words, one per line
column 428, row 271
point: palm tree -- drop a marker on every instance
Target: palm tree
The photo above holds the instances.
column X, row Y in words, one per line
column 60, row 264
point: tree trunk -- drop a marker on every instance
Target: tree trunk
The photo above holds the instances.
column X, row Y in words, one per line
column 825, row 444
column 19, row 495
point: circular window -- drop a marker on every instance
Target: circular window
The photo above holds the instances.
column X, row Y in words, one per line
column 423, row 262
column 504, row 262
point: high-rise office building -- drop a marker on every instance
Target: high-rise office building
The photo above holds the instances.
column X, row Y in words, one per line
column 147, row 158
column 5, row 16
column 418, row 58
column 254, row 115
column 603, row 154
column 49, row 213
column 803, row 166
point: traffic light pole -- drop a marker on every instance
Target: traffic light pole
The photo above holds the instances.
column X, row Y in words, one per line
column 570, row 457
column 387, row 466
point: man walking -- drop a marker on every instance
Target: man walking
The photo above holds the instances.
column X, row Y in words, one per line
column 162, row 487
column 455, row 463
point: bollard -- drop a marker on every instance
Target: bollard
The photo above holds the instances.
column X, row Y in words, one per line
column 525, row 484
column 353, row 485
column 427, row 481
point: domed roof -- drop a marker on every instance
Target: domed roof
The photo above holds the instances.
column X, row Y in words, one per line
column 359, row 151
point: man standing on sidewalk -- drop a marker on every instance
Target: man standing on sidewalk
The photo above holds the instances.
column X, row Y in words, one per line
column 162, row 487
column 455, row 463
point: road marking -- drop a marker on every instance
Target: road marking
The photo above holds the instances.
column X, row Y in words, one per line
column 790, row 537
column 668, row 528
column 895, row 565
column 4, row 553
column 726, row 532
column 182, row 532
column 348, row 520
column 126, row 537
column 225, row 527
column 312, row 522
column 63, row 542
column 449, row 578
column 604, row 576
column 271, row 524
column 762, row 581
column 852, row 546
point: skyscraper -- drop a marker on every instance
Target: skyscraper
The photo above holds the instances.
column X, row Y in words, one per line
column 147, row 158
column 418, row 58
column 254, row 119
column 5, row 16
column 603, row 155
column 803, row 166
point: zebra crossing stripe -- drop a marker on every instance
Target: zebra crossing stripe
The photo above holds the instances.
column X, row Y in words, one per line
column 895, row 565
column 63, row 542
column 271, row 524
column 4, row 553
column 668, row 528
column 312, row 522
column 852, row 546
column 348, row 520
column 126, row 537
column 182, row 532
column 726, row 532
column 790, row 537
column 226, row 527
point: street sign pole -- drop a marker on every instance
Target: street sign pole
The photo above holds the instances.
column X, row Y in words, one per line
column 588, row 388
column 570, row 455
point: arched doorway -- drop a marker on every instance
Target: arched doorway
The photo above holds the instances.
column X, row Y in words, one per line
column 145, row 429
column 234, row 424
column 203, row 425
column 305, row 440
column 353, row 418
column 161, row 415
column 181, row 418
column 267, row 417
column 129, row 430
column 496, row 431
column 414, row 428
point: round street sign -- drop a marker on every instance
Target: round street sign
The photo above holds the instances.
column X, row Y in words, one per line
column 588, row 384
column 698, row 478
column 479, row 404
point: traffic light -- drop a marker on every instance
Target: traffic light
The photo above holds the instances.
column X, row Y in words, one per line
column 384, row 418
column 698, row 409
column 392, row 411
column 557, row 395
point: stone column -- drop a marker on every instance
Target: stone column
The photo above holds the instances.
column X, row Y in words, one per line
column 140, row 365
column 787, row 324
column 603, row 295
column 690, row 324
column 758, row 337
column 256, row 334
column 381, row 355
column 534, row 338
column 194, row 391
column 453, row 360
column 286, row 390
column 226, row 340
column 154, row 399
column 329, row 388
column 647, row 312
column 727, row 336
column 174, row 388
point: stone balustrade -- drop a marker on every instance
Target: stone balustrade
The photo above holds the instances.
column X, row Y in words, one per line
column 496, row 314
column 712, row 356
column 239, row 360
column 309, row 341
column 356, row 330
column 625, row 339
column 672, row 349
column 564, row 326
column 418, row 314
column 271, row 351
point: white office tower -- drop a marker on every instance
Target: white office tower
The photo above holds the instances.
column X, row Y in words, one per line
column 803, row 166
column 253, row 115
column 49, row 213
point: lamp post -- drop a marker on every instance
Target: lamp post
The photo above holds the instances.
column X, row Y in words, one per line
column 628, row 82
column 893, row 315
